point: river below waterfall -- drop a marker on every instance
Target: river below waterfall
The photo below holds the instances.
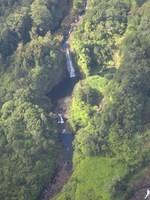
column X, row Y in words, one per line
column 63, row 89
column 60, row 96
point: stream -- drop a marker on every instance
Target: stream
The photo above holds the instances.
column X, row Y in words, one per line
column 61, row 98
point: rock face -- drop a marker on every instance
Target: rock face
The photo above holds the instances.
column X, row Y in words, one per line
column 61, row 96
column 61, row 177
column 141, row 187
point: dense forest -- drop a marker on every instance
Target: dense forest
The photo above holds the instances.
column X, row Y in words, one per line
column 109, row 112
column 30, row 65
column 110, row 109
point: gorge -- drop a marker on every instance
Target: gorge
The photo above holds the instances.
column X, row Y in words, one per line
column 59, row 94
column 74, row 99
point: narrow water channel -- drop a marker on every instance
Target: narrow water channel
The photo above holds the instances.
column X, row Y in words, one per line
column 61, row 92
column 63, row 89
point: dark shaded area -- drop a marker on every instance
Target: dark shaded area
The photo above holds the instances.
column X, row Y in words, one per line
column 66, row 139
column 63, row 89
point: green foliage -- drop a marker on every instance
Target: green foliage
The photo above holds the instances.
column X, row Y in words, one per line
column 86, row 99
column 93, row 179
column 23, row 19
column 29, row 68
column 28, row 138
column 47, row 14
column 20, row 22
column 95, row 41
column 109, row 111
column 120, row 115
column 112, row 137
column 79, row 6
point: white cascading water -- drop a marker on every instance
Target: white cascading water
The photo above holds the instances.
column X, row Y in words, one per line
column 70, row 67
column 148, row 194
column 61, row 120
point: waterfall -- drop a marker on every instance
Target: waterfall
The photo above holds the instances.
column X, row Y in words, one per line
column 70, row 67
column 61, row 120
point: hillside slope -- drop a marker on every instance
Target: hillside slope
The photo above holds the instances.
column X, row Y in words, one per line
column 110, row 107
column 30, row 65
